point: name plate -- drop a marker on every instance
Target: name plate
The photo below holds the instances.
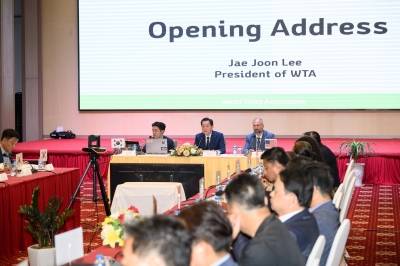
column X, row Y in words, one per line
column 209, row 153
column 49, row 167
column 23, row 172
column 128, row 153
column 256, row 154
column 3, row 177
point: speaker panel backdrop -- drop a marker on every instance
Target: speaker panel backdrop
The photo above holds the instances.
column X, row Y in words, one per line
column 229, row 55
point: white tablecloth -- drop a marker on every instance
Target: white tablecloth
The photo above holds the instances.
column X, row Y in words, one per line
column 140, row 195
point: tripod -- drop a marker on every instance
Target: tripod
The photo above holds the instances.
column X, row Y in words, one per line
column 94, row 164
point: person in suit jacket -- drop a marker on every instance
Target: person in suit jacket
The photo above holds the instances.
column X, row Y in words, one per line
column 321, row 206
column 9, row 138
column 291, row 199
column 212, row 233
column 158, row 129
column 270, row 242
column 210, row 139
column 329, row 156
column 256, row 140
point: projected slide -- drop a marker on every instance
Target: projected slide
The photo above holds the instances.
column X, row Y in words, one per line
column 230, row 55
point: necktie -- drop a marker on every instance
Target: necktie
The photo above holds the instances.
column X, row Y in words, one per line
column 207, row 142
column 258, row 143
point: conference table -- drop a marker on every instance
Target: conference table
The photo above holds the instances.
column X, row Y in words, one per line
column 17, row 191
column 147, row 197
column 212, row 164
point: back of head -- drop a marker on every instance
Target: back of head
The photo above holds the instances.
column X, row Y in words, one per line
column 206, row 221
column 160, row 125
column 315, row 147
column 303, row 148
column 161, row 235
column 9, row 134
column 298, row 182
column 276, row 154
column 298, row 162
column 322, row 176
column 246, row 191
column 313, row 134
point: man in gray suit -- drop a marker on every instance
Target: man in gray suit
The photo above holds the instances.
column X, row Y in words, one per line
column 256, row 140
column 321, row 206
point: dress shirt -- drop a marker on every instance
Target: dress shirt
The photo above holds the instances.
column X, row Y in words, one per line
column 318, row 205
column 221, row 260
column 287, row 216
column 6, row 160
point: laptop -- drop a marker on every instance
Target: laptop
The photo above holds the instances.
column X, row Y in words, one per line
column 270, row 143
column 69, row 246
column 156, row 146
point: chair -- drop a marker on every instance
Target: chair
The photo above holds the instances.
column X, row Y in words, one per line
column 338, row 201
column 346, row 199
column 347, row 180
column 317, row 250
column 349, row 168
column 340, row 189
column 339, row 243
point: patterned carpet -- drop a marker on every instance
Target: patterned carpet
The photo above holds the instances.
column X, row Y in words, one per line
column 374, row 236
column 375, row 226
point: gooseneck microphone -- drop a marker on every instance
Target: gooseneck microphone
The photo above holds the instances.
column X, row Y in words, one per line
column 198, row 145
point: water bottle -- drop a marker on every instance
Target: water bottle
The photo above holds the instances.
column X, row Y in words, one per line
column 13, row 168
column 260, row 169
column 99, row 260
column 234, row 150
column 134, row 147
column 40, row 165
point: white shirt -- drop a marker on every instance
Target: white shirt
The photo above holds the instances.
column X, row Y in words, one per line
column 221, row 260
column 287, row 216
column 6, row 160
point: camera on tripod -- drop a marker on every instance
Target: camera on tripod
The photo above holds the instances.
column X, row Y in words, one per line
column 94, row 145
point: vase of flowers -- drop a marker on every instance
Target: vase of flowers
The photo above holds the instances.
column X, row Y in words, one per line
column 112, row 228
column 187, row 150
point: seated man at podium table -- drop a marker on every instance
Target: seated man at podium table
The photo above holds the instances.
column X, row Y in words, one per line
column 256, row 140
column 9, row 138
column 210, row 139
column 158, row 129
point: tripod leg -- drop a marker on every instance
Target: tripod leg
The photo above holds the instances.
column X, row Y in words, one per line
column 103, row 190
column 79, row 185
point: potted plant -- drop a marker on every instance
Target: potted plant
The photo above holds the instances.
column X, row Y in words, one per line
column 357, row 149
column 43, row 226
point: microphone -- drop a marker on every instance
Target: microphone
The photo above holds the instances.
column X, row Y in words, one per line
column 198, row 146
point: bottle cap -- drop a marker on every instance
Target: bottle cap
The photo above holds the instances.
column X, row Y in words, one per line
column 99, row 256
column 176, row 212
column 197, row 200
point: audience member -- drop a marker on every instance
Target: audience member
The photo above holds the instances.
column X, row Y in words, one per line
column 210, row 139
column 298, row 162
column 303, row 148
column 256, row 140
column 291, row 154
column 329, row 156
column 212, row 234
column 291, row 199
column 9, row 138
column 270, row 243
column 158, row 129
column 321, row 207
column 159, row 240
column 315, row 147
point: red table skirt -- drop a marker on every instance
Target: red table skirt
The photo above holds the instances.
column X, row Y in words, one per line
column 13, row 236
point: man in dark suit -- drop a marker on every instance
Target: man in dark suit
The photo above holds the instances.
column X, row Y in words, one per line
column 9, row 138
column 256, row 140
column 210, row 139
column 291, row 199
column 158, row 129
column 321, row 207
column 212, row 234
column 271, row 242
column 329, row 156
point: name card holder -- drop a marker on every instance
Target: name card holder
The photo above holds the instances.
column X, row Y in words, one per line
column 3, row 177
column 210, row 153
column 128, row 153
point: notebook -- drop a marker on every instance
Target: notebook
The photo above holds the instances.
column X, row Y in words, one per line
column 69, row 246
column 156, row 146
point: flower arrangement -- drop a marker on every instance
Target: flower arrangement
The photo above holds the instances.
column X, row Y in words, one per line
column 187, row 150
column 113, row 230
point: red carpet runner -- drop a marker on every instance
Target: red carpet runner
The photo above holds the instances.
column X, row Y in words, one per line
column 374, row 236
